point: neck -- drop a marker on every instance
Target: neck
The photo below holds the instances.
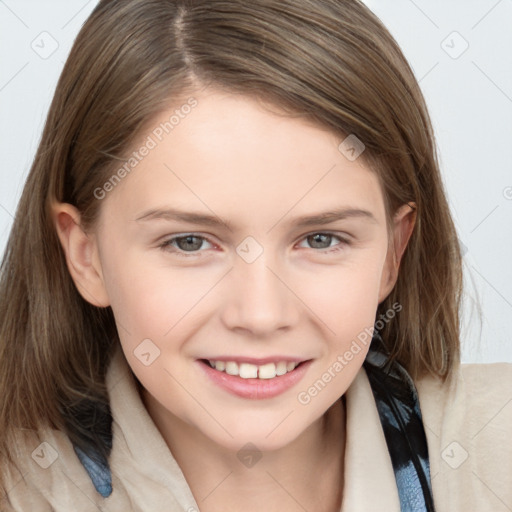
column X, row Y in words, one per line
column 306, row 474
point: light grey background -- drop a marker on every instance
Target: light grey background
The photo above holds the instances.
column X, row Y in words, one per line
column 460, row 51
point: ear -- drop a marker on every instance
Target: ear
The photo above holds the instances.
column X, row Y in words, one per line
column 81, row 253
column 403, row 226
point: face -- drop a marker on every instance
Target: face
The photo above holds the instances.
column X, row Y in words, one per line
column 222, row 244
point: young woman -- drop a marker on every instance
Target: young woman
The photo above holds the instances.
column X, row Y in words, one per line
column 233, row 281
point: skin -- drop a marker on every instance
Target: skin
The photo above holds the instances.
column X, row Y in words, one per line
column 258, row 170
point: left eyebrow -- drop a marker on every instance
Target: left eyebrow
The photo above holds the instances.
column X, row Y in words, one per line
column 333, row 216
column 199, row 218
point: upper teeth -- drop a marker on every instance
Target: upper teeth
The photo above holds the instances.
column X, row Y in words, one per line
column 252, row 371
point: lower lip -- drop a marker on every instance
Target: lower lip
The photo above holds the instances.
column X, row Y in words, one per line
column 256, row 389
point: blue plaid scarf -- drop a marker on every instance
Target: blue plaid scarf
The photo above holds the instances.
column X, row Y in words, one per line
column 399, row 411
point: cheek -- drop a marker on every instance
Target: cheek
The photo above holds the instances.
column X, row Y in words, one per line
column 345, row 301
column 344, row 295
column 149, row 300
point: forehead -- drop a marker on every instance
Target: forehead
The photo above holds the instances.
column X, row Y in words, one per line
column 229, row 153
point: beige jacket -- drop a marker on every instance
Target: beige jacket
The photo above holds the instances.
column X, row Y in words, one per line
column 468, row 428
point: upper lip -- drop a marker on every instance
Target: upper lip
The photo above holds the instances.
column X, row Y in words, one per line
column 258, row 361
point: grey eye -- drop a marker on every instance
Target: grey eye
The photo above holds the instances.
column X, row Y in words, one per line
column 320, row 240
column 189, row 242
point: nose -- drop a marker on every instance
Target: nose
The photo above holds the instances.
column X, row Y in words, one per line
column 258, row 299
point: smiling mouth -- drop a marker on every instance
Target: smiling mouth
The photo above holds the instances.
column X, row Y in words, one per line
column 252, row 371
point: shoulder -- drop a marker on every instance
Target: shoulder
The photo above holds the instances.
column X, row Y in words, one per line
column 46, row 475
column 478, row 397
column 481, row 390
column 19, row 490
column 488, row 390
column 491, row 377
column 468, row 422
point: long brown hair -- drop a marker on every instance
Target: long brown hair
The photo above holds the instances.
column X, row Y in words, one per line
column 331, row 61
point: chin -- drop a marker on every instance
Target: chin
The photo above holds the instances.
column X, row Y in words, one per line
column 269, row 434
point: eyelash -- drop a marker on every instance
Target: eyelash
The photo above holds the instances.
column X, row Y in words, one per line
column 166, row 244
